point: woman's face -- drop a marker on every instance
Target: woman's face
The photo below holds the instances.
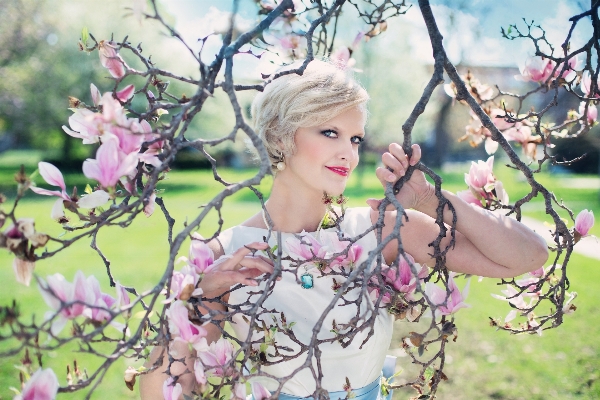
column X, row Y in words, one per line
column 327, row 154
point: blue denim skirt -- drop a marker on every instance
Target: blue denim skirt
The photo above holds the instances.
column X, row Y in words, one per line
column 372, row 391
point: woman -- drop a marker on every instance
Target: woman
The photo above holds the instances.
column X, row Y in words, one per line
column 312, row 126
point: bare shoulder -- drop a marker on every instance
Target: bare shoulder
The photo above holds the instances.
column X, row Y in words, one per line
column 255, row 221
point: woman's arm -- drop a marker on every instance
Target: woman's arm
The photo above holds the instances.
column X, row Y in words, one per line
column 241, row 267
column 151, row 384
column 487, row 244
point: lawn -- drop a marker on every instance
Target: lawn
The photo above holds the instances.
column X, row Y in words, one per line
column 561, row 364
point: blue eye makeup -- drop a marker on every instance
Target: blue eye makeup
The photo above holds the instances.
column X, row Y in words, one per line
column 330, row 133
column 357, row 139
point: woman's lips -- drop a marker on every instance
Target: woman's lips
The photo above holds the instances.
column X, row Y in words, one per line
column 343, row 171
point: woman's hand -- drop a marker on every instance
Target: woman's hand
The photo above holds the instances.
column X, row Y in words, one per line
column 414, row 192
column 240, row 267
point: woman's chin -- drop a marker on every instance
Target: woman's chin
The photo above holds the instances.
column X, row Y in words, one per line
column 335, row 192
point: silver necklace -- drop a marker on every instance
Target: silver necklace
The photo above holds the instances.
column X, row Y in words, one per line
column 307, row 280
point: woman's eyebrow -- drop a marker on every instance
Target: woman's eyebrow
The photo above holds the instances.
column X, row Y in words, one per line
column 335, row 128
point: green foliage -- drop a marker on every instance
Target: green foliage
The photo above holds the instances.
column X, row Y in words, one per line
column 562, row 364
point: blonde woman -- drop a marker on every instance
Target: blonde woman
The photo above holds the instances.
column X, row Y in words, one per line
column 312, row 126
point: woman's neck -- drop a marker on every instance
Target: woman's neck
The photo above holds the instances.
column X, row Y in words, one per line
column 295, row 210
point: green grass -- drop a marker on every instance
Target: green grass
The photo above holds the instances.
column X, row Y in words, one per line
column 562, row 364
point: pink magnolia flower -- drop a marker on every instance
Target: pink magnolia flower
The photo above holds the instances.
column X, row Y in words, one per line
column 306, row 247
column 217, row 357
column 95, row 94
column 453, row 302
column 91, row 302
column 335, row 245
column 122, row 296
column 199, row 373
column 538, row 273
column 110, row 163
column 113, row 112
column 94, row 199
column 170, row 391
column 342, row 57
column 530, row 284
column 150, row 156
column 183, row 284
column 239, row 391
column 513, row 297
column 100, row 302
column 149, row 206
column 470, row 197
column 110, row 59
column 84, row 125
column 480, row 176
column 22, row 234
column 403, row 279
column 522, row 134
column 536, row 69
column 181, row 327
column 126, row 93
column 201, row 257
column 43, row 385
column 259, row 392
column 586, row 84
column 23, row 270
column 54, row 177
column 128, row 142
column 574, row 64
column 498, row 118
column 57, row 291
column 591, row 115
column 584, row 222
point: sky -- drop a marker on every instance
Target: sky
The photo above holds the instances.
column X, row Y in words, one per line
column 471, row 32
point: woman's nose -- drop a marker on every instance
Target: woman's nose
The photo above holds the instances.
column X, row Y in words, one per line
column 347, row 152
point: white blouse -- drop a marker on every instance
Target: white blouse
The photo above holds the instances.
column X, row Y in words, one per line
column 305, row 306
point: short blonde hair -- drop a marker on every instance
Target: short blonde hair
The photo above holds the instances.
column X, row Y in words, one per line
column 297, row 101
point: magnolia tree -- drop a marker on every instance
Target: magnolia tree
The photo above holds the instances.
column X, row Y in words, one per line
column 134, row 147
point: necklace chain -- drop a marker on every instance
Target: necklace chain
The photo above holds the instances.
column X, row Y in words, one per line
column 264, row 216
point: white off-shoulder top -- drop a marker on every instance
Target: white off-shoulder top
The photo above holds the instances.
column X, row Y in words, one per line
column 361, row 365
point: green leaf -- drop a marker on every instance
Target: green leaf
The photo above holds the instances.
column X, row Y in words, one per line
column 429, row 374
column 85, row 35
column 88, row 189
column 509, row 30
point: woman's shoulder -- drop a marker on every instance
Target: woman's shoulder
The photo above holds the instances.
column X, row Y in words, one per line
column 236, row 236
column 356, row 219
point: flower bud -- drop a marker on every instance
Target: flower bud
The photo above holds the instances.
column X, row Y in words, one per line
column 129, row 377
column 416, row 339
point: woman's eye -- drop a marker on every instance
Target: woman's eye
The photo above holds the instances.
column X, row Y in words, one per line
column 357, row 139
column 330, row 133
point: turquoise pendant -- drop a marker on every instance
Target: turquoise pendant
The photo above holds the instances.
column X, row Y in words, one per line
column 307, row 281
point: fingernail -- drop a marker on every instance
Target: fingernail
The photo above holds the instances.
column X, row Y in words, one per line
column 391, row 177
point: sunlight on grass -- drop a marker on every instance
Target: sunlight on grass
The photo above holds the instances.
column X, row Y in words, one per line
column 562, row 364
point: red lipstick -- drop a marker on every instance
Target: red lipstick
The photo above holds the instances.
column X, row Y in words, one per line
column 343, row 171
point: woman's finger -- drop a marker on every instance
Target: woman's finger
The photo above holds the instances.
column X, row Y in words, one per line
column 398, row 152
column 259, row 263
column 385, row 176
column 416, row 154
column 233, row 261
column 393, row 164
